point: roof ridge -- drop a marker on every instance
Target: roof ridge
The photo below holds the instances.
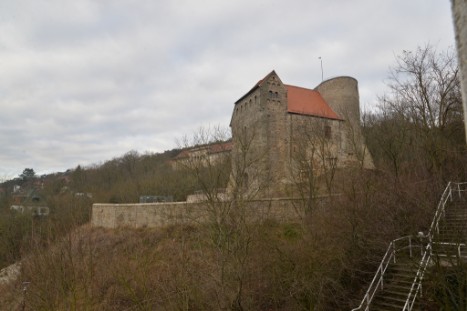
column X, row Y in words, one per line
column 301, row 87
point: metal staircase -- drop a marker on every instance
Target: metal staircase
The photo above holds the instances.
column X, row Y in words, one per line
column 398, row 280
column 450, row 240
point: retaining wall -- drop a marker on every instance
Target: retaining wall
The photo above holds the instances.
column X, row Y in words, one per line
column 163, row 214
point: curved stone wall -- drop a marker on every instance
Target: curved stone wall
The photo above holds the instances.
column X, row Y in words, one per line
column 341, row 94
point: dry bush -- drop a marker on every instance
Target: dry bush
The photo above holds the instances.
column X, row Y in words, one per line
column 178, row 268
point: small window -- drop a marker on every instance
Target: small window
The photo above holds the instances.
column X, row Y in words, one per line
column 327, row 132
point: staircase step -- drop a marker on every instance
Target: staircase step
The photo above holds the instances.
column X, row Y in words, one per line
column 405, row 268
column 402, row 278
column 402, row 292
column 380, row 304
column 399, row 286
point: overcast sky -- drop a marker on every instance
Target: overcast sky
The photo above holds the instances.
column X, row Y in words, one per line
column 84, row 81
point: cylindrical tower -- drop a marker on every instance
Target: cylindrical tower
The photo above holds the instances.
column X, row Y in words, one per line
column 341, row 94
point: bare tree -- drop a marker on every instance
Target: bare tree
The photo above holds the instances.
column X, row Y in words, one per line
column 207, row 159
column 425, row 87
column 388, row 136
column 232, row 220
column 425, row 95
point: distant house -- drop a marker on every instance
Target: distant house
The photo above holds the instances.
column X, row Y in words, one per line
column 29, row 201
column 202, row 155
column 35, row 210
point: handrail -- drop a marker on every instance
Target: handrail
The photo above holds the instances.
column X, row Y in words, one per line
column 417, row 282
column 391, row 252
column 455, row 244
column 440, row 212
column 378, row 279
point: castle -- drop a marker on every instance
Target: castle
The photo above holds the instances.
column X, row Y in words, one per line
column 283, row 133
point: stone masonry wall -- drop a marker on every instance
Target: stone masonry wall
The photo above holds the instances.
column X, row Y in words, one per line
column 152, row 215
column 459, row 11
column 341, row 94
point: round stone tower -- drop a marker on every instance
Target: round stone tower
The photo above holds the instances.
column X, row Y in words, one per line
column 341, row 94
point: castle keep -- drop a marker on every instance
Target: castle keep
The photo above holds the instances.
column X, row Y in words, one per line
column 282, row 132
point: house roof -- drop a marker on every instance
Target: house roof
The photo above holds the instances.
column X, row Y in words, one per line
column 211, row 149
column 308, row 102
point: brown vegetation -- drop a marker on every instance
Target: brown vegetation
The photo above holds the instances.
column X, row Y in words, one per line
column 270, row 266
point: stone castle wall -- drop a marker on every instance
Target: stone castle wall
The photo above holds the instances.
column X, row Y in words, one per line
column 151, row 215
column 259, row 120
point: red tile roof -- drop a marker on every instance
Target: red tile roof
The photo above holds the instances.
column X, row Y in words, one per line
column 211, row 149
column 221, row 147
column 301, row 101
column 308, row 102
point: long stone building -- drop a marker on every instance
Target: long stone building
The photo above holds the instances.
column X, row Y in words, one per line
column 283, row 134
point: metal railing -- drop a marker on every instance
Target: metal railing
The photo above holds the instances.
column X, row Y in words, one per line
column 434, row 228
column 378, row 280
column 416, row 287
column 390, row 256
column 458, row 247
column 440, row 211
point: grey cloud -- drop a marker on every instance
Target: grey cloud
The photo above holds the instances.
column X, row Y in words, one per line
column 85, row 81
